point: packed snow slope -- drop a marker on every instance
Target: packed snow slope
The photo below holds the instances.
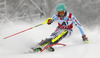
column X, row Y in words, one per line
column 18, row 46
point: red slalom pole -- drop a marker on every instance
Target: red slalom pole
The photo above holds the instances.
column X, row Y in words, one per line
column 23, row 31
column 53, row 45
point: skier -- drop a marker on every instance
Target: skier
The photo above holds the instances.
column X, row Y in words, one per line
column 65, row 27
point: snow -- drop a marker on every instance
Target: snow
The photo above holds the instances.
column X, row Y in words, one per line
column 16, row 46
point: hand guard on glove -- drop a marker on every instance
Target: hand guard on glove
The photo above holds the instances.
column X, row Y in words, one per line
column 84, row 38
column 50, row 20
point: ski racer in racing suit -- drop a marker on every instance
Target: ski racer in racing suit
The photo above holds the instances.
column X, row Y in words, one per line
column 65, row 27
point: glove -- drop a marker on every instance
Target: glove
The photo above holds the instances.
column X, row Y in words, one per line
column 50, row 20
column 84, row 38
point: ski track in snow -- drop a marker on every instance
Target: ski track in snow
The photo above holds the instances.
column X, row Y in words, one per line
column 15, row 46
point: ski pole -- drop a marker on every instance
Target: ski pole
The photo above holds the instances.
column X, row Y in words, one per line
column 25, row 30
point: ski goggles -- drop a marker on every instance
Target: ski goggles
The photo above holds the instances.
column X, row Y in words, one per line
column 61, row 12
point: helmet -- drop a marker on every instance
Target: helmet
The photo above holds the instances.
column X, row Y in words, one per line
column 61, row 7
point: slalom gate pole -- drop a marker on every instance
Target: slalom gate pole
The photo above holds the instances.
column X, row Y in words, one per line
column 52, row 45
column 25, row 30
